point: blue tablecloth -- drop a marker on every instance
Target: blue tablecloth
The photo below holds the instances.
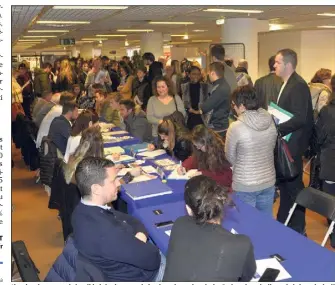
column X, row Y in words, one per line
column 305, row 259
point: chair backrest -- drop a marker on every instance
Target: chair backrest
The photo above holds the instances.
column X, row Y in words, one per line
column 317, row 201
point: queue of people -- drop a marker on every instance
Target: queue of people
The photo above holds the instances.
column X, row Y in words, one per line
column 218, row 126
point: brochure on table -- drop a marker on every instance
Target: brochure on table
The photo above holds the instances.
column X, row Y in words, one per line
column 263, row 264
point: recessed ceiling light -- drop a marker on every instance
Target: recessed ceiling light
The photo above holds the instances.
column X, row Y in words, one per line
column 201, row 41
column 327, row 14
column 200, row 31
column 277, row 27
column 171, row 23
column 41, row 40
column 219, row 21
column 40, row 36
column 326, row 27
column 94, row 39
column 64, row 22
column 234, row 11
column 90, row 7
column 135, row 30
column 111, row 35
column 177, row 35
column 48, row 31
column 178, row 43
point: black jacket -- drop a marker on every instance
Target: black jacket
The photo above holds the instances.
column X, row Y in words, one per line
column 59, row 132
column 325, row 130
column 267, row 89
column 155, row 69
column 138, row 126
column 107, row 239
column 115, row 78
column 219, row 103
column 199, row 253
column 64, row 84
column 296, row 99
column 142, row 90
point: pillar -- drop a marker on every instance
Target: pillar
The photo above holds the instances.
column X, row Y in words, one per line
column 86, row 51
column 244, row 30
column 152, row 42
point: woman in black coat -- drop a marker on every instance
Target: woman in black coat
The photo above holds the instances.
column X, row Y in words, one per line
column 325, row 130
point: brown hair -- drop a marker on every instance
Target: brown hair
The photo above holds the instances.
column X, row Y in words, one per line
column 168, row 128
column 321, row 74
column 66, row 70
column 214, row 158
column 289, row 55
column 175, row 64
column 168, row 84
column 83, row 121
column 218, row 68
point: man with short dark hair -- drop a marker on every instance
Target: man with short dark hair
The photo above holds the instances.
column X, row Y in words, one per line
column 114, row 242
column 60, row 128
column 103, row 107
column 218, row 55
column 294, row 97
column 217, row 106
column 135, row 120
column 268, row 86
column 155, row 67
column 42, row 81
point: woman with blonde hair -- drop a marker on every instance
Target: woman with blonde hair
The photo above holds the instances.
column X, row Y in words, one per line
column 67, row 77
column 91, row 144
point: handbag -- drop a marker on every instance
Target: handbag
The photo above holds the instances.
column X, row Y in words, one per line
column 284, row 162
column 16, row 108
column 176, row 117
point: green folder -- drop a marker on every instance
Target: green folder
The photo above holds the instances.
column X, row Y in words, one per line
column 281, row 110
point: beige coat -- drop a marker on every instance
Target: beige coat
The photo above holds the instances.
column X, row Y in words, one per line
column 16, row 91
column 126, row 90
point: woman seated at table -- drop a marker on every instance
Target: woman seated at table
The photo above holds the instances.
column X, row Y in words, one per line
column 200, row 249
column 174, row 139
column 115, row 99
column 208, row 156
column 86, row 119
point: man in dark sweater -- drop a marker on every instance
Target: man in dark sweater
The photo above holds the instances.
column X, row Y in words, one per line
column 268, row 86
column 60, row 128
column 217, row 106
column 114, row 242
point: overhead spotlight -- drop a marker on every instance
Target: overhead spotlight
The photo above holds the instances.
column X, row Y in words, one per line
column 126, row 43
column 220, row 21
column 185, row 37
column 100, row 42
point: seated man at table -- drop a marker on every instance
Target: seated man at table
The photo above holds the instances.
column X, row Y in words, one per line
column 114, row 242
column 200, row 249
column 135, row 120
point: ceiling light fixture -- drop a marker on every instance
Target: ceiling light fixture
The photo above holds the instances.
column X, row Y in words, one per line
column 185, row 37
column 327, row 14
column 326, row 27
column 48, row 31
column 277, row 27
column 177, row 35
column 126, row 43
column 200, row 31
column 40, row 36
column 219, row 21
column 135, row 30
column 110, row 35
column 64, row 22
column 202, row 41
column 94, row 39
column 90, row 7
column 171, row 23
column 234, row 11
column 40, row 40
column 178, row 43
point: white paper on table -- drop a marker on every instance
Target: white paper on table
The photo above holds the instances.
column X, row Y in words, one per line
column 263, row 264
column 153, row 153
column 122, row 158
column 114, row 149
column 165, row 162
column 117, row 133
column 123, row 171
column 171, row 167
column 234, row 232
column 136, row 163
column 168, row 232
column 142, row 178
column 149, row 169
column 188, row 175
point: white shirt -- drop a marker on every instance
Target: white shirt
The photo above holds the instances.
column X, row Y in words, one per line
column 88, row 203
column 43, row 131
column 72, row 144
column 281, row 91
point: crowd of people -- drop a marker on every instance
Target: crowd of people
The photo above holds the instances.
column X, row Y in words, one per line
column 217, row 123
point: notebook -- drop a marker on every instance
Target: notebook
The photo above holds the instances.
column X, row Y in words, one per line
column 135, row 148
column 114, row 149
column 189, row 174
column 146, row 189
column 123, row 158
column 153, row 153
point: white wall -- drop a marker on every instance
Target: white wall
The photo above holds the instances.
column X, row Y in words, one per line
column 317, row 51
column 271, row 42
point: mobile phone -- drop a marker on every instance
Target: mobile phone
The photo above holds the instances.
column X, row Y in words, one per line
column 127, row 178
column 269, row 275
column 157, row 212
column 164, row 224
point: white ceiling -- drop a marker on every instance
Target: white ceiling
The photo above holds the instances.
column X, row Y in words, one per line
column 137, row 17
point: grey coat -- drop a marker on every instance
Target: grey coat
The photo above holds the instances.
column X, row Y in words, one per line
column 249, row 147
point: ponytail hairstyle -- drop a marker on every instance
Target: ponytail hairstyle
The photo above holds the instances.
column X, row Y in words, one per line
column 168, row 128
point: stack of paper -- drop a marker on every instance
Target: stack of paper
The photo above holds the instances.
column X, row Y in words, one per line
column 164, row 162
column 123, row 158
column 149, row 169
column 189, row 174
column 153, row 153
column 263, row 264
column 114, row 149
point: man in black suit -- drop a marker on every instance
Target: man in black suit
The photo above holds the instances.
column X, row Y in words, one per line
column 268, row 86
column 60, row 128
column 294, row 97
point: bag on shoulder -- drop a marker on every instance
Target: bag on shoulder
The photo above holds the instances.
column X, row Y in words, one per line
column 176, row 117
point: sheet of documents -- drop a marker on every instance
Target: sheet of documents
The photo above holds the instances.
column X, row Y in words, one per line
column 117, row 133
column 189, row 174
column 143, row 178
column 123, row 158
column 164, row 162
column 114, row 149
column 168, row 232
column 234, row 232
column 123, row 171
column 263, row 264
column 149, row 169
column 153, row 153
column 281, row 116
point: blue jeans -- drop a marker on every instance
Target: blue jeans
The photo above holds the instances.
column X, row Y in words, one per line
column 261, row 200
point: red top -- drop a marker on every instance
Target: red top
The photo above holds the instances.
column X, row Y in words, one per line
column 223, row 177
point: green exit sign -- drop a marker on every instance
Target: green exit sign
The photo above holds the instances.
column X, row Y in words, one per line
column 67, row 42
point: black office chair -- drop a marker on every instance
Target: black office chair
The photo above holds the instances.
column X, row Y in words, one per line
column 319, row 202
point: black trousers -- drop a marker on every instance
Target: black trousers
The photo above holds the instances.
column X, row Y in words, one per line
column 289, row 191
column 330, row 189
